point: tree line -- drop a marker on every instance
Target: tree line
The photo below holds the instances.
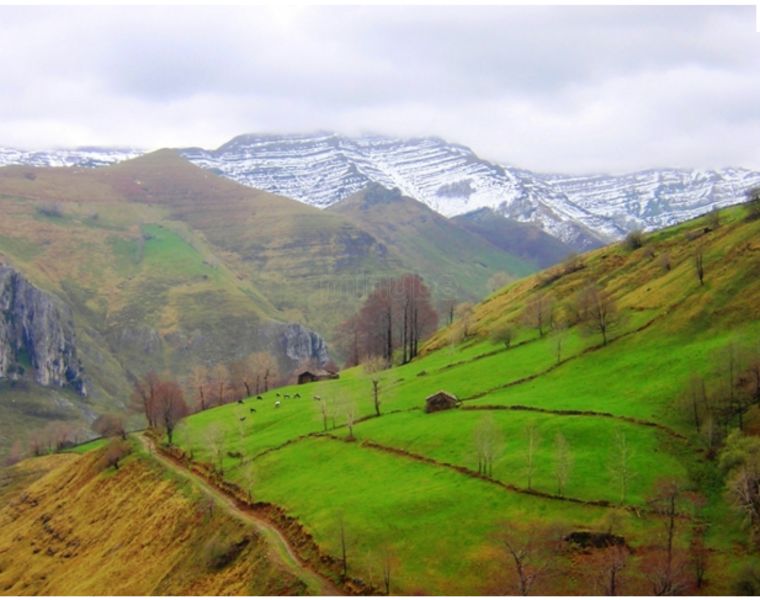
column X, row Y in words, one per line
column 391, row 323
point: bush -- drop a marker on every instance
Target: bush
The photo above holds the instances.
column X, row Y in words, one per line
column 634, row 240
column 753, row 204
column 53, row 211
column 116, row 450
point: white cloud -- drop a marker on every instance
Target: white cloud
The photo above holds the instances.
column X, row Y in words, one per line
column 571, row 89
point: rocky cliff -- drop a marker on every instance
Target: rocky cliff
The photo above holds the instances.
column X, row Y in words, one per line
column 300, row 344
column 36, row 335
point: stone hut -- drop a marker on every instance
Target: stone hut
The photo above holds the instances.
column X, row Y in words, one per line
column 440, row 401
column 316, row 375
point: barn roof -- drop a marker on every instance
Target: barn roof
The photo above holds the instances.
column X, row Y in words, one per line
column 442, row 393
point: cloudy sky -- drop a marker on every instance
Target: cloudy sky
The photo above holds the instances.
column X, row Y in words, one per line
column 550, row 89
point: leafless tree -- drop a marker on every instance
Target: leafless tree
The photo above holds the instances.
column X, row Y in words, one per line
column 170, row 407
column 110, row 426
column 216, row 438
column 372, row 367
column 598, row 311
column 488, row 443
column 620, row 465
column 503, row 334
column 199, row 385
column 539, row 313
column 220, row 376
column 563, row 462
column 753, row 204
column 532, row 440
column 116, row 450
column 464, row 313
column 665, row 501
column 531, row 550
column 699, row 263
column 665, row 262
column 347, row 409
column 144, row 397
column 498, row 280
column 15, row 454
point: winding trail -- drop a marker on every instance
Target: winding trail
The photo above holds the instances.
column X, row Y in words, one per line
column 280, row 550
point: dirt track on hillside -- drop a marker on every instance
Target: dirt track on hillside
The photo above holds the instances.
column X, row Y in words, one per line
column 281, row 550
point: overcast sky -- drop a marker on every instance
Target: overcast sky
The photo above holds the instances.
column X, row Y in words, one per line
column 550, row 89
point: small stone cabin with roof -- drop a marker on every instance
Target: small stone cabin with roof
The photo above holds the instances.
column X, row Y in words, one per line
column 440, row 401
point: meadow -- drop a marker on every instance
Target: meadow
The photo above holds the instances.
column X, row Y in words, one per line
column 405, row 480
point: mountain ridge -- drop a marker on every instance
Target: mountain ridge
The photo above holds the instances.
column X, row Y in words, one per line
column 323, row 168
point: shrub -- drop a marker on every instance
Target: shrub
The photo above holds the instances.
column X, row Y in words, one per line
column 634, row 240
column 53, row 211
column 753, row 204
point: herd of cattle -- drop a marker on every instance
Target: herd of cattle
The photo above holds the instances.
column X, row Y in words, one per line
column 276, row 402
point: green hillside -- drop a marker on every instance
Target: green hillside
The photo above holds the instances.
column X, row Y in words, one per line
column 522, row 240
column 407, row 486
column 456, row 262
column 165, row 265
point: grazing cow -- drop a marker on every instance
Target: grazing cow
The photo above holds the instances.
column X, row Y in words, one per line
column 317, row 398
column 242, row 418
column 277, row 394
column 287, row 396
column 297, row 396
column 277, row 404
column 253, row 410
column 259, row 398
column 240, row 401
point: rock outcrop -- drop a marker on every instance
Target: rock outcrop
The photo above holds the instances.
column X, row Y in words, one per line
column 300, row 344
column 37, row 335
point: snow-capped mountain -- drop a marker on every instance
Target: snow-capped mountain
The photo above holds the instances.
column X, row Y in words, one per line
column 323, row 168
column 78, row 157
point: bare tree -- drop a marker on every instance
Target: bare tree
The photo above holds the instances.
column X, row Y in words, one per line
column 563, row 462
column 113, row 453
column 171, row 407
column 199, row 384
column 604, row 568
column 498, row 280
column 740, row 461
column 503, row 334
column 372, row 367
column 144, row 397
column 488, row 443
column 665, row 261
column 216, row 438
column 620, row 465
column 699, row 263
column 347, row 409
column 220, row 376
column 753, row 204
column 598, row 311
column 265, row 367
column 250, row 478
column 15, row 454
column 532, row 440
column 531, row 550
column 464, row 315
column 694, row 400
column 538, row 313
column 109, row 426
column 665, row 501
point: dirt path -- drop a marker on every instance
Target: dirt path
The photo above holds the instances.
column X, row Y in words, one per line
column 281, row 551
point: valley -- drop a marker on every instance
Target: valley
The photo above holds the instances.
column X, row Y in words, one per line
column 563, row 431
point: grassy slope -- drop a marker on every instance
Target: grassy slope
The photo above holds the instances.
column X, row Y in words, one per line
column 79, row 530
column 438, row 521
column 456, row 262
column 163, row 264
column 520, row 239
